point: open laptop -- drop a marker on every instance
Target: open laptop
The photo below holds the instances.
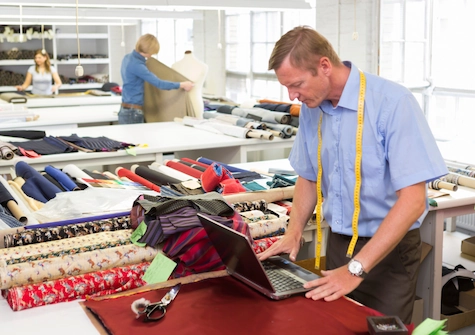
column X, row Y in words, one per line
column 275, row 277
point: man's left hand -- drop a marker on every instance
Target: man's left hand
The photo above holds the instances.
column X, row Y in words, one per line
column 333, row 285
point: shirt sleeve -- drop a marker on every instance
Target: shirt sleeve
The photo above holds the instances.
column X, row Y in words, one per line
column 53, row 69
column 411, row 149
column 300, row 155
column 141, row 71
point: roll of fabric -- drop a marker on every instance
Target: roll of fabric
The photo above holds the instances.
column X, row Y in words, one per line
column 123, row 172
column 153, row 176
column 57, row 248
column 263, row 244
column 189, row 160
column 98, row 283
column 7, row 150
column 54, row 182
column 294, row 108
column 266, row 228
column 22, row 237
column 73, row 265
column 246, row 206
column 36, row 185
column 171, row 172
column 16, row 185
column 271, row 195
column 25, row 210
column 76, row 172
column 192, row 165
column 183, row 168
column 7, row 200
column 229, row 167
column 61, row 177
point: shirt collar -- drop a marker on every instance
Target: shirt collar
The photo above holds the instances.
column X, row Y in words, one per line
column 138, row 56
column 351, row 91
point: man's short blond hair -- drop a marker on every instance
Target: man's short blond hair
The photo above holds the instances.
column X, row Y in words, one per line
column 147, row 44
column 304, row 46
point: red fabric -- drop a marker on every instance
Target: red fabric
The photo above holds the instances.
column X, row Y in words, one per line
column 184, row 168
column 193, row 251
column 122, row 172
column 213, row 176
column 231, row 186
column 189, row 160
column 226, row 306
column 76, row 287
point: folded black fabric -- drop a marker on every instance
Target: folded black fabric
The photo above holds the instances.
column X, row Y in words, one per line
column 46, row 146
column 28, row 134
column 101, row 143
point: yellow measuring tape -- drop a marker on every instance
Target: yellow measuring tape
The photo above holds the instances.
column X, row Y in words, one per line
column 356, row 195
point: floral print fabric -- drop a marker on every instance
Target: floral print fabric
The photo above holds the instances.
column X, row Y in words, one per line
column 76, row 287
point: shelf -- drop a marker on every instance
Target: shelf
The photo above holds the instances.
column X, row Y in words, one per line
column 83, row 61
column 82, row 36
column 65, row 87
column 5, row 62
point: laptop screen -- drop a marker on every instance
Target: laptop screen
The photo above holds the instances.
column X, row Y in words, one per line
column 236, row 252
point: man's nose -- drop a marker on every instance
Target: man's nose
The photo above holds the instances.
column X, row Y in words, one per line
column 293, row 95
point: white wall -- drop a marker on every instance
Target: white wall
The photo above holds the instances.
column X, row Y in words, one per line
column 335, row 20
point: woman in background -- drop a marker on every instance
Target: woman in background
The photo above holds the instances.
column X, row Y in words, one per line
column 41, row 76
column 134, row 73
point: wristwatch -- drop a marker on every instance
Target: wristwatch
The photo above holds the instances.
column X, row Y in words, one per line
column 355, row 268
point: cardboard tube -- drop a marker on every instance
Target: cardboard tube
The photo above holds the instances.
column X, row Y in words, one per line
column 274, row 194
column 253, row 134
column 16, row 211
column 447, row 186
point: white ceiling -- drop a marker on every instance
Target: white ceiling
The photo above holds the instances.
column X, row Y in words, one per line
column 124, row 11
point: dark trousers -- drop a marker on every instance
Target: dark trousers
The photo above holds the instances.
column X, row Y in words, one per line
column 390, row 286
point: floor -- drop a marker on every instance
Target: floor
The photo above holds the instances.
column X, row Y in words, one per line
column 452, row 257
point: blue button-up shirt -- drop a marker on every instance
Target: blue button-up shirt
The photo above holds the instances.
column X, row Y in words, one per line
column 134, row 73
column 399, row 150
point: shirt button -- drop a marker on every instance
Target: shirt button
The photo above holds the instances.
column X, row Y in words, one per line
column 337, row 222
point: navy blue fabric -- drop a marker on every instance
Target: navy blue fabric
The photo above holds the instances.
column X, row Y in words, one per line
column 61, row 178
column 35, row 186
column 229, row 167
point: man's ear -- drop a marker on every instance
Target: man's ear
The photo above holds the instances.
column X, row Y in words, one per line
column 325, row 65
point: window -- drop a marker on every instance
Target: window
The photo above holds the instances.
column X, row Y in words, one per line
column 432, row 45
column 174, row 35
column 250, row 39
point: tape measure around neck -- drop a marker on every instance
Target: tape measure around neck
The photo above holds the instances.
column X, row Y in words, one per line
column 356, row 194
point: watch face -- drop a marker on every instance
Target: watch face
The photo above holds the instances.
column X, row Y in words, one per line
column 355, row 267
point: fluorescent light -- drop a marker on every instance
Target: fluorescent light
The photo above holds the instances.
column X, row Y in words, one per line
column 202, row 4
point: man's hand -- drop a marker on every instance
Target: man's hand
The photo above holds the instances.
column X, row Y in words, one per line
column 286, row 245
column 333, row 285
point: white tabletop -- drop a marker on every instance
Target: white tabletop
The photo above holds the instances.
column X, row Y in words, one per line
column 154, row 140
column 66, row 117
column 73, row 101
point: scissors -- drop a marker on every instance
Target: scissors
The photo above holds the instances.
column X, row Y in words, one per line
column 157, row 310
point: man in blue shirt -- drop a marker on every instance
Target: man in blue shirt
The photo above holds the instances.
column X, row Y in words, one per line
column 134, row 73
column 398, row 156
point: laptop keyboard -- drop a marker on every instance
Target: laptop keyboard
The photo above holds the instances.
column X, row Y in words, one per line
column 281, row 279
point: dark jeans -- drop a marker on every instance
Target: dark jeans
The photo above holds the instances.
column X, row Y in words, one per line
column 390, row 286
column 130, row 115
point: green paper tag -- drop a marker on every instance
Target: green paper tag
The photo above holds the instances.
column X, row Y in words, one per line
column 430, row 327
column 138, row 233
column 159, row 270
column 131, row 151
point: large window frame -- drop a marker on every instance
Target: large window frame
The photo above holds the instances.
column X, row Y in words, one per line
column 250, row 38
column 445, row 93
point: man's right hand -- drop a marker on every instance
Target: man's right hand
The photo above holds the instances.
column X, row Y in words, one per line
column 186, row 85
column 289, row 244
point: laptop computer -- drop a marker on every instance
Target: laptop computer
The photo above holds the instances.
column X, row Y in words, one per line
column 276, row 277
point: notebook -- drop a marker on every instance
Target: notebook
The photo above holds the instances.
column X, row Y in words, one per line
column 276, row 277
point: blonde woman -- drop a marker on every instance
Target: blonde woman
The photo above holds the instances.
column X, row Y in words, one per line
column 134, row 73
column 41, row 75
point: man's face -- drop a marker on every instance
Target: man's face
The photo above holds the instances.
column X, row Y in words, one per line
column 303, row 85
